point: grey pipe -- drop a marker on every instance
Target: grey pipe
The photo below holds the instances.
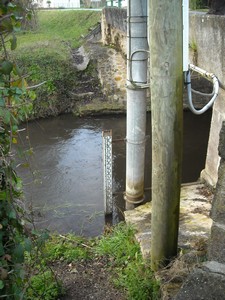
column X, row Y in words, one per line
column 137, row 59
column 210, row 77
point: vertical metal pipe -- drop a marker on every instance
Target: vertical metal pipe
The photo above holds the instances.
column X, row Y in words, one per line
column 166, row 71
column 137, row 60
column 185, row 6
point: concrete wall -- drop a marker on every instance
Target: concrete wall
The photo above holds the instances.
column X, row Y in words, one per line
column 207, row 50
column 207, row 36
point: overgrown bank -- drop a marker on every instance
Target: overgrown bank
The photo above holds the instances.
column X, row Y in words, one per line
column 47, row 55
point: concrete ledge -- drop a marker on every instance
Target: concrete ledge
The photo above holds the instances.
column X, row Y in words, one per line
column 216, row 249
column 206, row 283
column 195, row 223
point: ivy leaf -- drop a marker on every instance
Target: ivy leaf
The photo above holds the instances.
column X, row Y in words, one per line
column 1, row 284
column 13, row 42
column 18, row 254
column 6, row 67
column 28, row 245
column 5, row 114
column 2, row 102
column 2, row 252
column 16, row 71
column 12, row 214
column 2, row 195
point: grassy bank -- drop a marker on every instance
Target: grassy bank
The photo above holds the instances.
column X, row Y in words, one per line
column 57, row 27
column 45, row 55
column 116, row 252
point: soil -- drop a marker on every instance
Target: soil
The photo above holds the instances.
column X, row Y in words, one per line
column 85, row 280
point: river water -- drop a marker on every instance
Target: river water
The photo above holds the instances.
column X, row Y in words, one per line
column 64, row 181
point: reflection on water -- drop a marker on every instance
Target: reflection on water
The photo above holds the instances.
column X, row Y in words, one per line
column 64, row 184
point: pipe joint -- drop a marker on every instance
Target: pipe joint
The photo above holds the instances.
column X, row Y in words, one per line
column 133, row 199
column 135, row 142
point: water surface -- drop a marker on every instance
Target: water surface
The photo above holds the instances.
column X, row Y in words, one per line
column 64, row 183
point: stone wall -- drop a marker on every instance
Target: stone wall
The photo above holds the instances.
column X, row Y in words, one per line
column 207, row 40
column 112, row 71
column 217, row 241
column 208, row 281
column 114, row 28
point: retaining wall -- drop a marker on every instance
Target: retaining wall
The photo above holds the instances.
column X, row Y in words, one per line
column 207, row 50
column 207, row 37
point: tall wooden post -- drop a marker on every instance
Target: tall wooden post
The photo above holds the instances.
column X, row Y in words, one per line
column 167, row 122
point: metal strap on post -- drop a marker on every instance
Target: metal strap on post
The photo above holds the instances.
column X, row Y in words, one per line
column 107, row 171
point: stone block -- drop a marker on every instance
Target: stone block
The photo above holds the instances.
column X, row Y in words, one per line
column 216, row 250
column 218, row 207
column 204, row 284
column 222, row 141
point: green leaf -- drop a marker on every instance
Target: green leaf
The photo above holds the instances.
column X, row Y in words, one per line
column 12, row 214
column 28, row 245
column 18, row 253
column 10, row 4
column 6, row 67
column 5, row 114
column 14, row 128
column 2, row 102
column 2, row 195
column 2, row 252
column 13, row 42
column 1, row 284
column 17, row 71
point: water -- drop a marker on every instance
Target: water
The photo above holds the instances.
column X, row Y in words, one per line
column 64, row 182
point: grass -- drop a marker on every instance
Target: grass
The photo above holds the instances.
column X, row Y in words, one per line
column 117, row 249
column 45, row 55
column 68, row 248
column 55, row 27
column 130, row 271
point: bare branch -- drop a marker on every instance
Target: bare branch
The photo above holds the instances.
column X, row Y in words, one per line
column 35, row 86
column 5, row 17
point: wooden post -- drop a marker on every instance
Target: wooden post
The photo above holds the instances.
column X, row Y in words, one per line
column 167, row 126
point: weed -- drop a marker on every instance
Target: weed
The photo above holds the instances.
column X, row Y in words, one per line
column 68, row 248
column 132, row 272
column 137, row 279
column 125, row 263
column 43, row 286
column 119, row 245
column 193, row 46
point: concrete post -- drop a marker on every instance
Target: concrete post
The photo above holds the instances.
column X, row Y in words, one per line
column 167, row 122
column 136, row 100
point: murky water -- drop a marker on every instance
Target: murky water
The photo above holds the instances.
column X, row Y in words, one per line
column 64, row 183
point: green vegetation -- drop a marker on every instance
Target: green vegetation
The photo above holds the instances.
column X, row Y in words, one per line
column 117, row 248
column 132, row 272
column 24, row 272
column 15, row 105
column 45, row 54
column 43, row 286
column 59, row 28
column 198, row 4
column 68, row 248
